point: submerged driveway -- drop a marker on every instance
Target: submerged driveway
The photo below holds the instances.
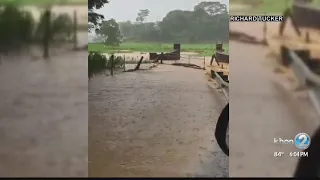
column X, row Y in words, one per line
column 154, row 123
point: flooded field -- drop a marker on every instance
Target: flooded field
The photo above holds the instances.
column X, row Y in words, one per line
column 186, row 57
column 44, row 116
column 155, row 123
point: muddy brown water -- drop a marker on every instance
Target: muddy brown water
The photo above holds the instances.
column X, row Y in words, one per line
column 43, row 116
column 265, row 105
column 155, row 123
column 44, row 113
column 186, row 57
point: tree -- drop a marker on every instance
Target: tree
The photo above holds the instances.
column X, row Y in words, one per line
column 127, row 29
column 208, row 22
column 111, row 32
column 212, row 8
column 93, row 17
column 98, row 39
column 143, row 13
column 175, row 24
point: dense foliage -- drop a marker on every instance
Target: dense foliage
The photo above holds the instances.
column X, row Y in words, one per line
column 94, row 19
column 18, row 28
column 98, row 62
column 208, row 22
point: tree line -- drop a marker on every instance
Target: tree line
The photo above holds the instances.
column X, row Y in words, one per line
column 207, row 22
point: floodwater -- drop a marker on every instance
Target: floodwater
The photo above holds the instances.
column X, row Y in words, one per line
column 154, row 123
column 44, row 111
column 44, row 116
column 265, row 105
column 186, row 57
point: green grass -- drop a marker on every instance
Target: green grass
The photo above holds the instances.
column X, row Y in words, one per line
column 44, row 2
column 202, row 49
column 268, row 6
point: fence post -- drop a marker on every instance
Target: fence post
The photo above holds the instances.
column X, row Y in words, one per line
column 75, row 29
column 111, row 68
column 138, row 65
column 307, row 37
column 124, row 62
column 212, row 58
column 204, row 62
column 161, row 57
column 265, row 30
column 46, row 35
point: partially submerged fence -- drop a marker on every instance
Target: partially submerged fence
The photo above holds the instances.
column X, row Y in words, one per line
column 223, row 82
column 305, row 15
column 22, row 31
column 306, row 70
column 48, row 33
column 113, row 64
column 222, row 79
column 174, row 55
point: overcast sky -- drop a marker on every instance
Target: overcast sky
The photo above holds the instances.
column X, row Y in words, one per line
column 123, row 10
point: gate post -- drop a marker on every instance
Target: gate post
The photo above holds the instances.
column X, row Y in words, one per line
column 47, row 33
column 75, row 30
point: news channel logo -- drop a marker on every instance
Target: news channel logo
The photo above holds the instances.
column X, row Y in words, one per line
column 302, row 141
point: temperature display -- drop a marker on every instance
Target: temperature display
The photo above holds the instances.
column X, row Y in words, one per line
column 278, row 154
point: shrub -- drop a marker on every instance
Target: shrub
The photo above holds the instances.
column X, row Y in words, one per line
column 98, row 62
column 16, row 27
column 118, row 63
column 19, row 29
column 60, row 28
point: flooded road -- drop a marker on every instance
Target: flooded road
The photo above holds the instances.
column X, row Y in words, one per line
column 157, row 123
column 43, row 116
column 265, row 105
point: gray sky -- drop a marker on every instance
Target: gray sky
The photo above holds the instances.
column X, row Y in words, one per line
column 123, row 10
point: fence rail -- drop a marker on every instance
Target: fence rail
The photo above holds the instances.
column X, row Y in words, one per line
column 302, row 70
column 303, row 15
column 222, row 84
column 307, row 78
column 314, row 95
